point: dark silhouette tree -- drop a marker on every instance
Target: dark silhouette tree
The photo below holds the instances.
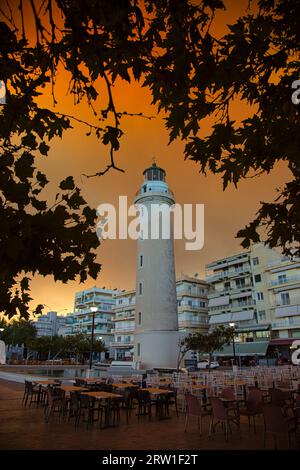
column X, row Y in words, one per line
column 168, row 46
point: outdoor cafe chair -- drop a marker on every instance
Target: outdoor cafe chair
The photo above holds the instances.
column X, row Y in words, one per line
column 89, row 410
column 275, row 423
column 31, row 392
column 223, row 415
column 281, row 398
column 253, row 406
column 56, row 402
column 194, row 408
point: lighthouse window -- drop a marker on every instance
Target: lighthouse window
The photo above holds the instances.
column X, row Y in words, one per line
column 140, row 318
column 140, row 288
column 144, row 188
column 138, row 349
column 141, row 260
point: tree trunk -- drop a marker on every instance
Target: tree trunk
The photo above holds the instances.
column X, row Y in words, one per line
column 209, row 361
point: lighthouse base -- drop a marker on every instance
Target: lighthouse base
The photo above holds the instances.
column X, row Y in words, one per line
column 157, row 349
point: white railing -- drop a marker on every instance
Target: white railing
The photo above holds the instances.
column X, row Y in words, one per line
column 229, row 273
column 284, row 280
column 286, row 323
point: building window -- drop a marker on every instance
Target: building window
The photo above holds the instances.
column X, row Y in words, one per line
column 140, row 288
column 240, row 282
column 140, row 318
column 285, row 298
column 262, row 315
column 260, row 296
column 255, row 261
column 138, row 349
column 282, row 278
column 141, row 261
column 257, row 278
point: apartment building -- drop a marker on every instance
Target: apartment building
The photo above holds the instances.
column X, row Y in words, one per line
column 192, row 304
column 192, row 314
column 98, row 303
column 239, row 296
column 284, row 292
column 123, row 326
column 49, row 324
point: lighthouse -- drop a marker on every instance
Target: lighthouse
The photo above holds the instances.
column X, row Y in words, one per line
column 156, row 320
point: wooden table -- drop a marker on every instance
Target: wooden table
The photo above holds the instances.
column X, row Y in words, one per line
column 158, row 392
column 73, row 388
column 46, row 382
column 92, row 380
column 124, row 385
column 108, row 397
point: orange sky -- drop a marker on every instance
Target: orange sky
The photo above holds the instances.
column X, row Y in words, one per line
column 225, row 212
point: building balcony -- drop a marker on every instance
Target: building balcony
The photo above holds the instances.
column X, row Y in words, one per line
column 240, row 305
column 227, row 274
column 294, row 302
column 193, row 324
column 231, row 260
column 121, row 344
column 230, row 291
column 187, row 293
column 283, row 281
column 117, row 331
column 124, row 317
column 287, row 323
column 185, row 308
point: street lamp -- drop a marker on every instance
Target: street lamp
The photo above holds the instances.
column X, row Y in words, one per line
column 233, row 343
column 93, row 310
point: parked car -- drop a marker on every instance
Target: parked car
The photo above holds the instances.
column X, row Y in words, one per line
column 205, row 363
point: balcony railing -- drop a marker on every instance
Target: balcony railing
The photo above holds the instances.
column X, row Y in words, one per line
column 293, row 302
column 284, row 280
column 286, row 323
column 116, row 331
column 121, row 344
column 230, row 273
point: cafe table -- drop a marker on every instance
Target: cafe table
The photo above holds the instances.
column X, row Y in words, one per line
column 107, row 397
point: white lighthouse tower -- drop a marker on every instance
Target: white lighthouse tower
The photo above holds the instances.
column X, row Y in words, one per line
column 156, row 319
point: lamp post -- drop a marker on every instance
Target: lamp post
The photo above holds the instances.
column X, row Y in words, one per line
column 233, row 343
column 93, row 310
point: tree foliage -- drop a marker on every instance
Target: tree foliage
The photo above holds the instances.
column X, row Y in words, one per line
column 78, row 345
column 208, row 343
column 18, row 333
column 169, row 47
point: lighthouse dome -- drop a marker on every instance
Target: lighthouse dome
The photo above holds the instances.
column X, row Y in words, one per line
column 154, row 180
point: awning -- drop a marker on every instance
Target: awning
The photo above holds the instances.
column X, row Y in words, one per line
column 255, row 348
column 263, row 327
column 222, row 318
column 232, row 317
column 282, row 341
column 218, row 301
column 242, row 315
